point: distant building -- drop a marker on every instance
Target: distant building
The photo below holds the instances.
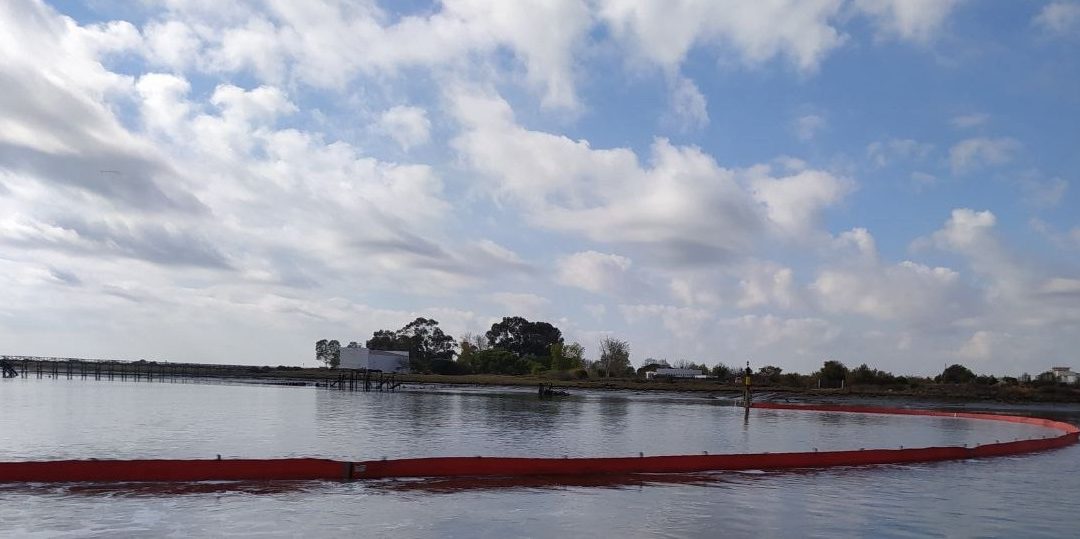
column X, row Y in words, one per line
column 1064, row 375
column 674, row 373
column 374, row 360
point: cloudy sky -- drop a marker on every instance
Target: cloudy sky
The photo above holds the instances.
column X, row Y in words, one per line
column 782, row 181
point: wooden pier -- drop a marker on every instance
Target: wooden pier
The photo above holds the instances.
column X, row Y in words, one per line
column 354, row 380
column 110, row 369
column 164, row 371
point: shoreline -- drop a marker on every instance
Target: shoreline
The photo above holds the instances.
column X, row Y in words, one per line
column 941, row 393
column 294, row 375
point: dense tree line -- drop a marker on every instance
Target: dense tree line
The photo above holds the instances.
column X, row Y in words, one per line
column 515, row 346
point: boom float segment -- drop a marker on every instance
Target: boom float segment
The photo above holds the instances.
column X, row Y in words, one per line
column 103, row 471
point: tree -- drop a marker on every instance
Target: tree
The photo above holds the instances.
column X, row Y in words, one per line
column 385, row 339
column 614, row 356
column 566, row 357
column 525, row 339
column 864, row 375
column 478, row 341
column 499, row 361
column 651, row 365
column 723, row 372
column 771, row 373
column 832, row 373
column 328, row 353
column 684, row 364
column 320, row 351
column 956, row 374
column 422, row 338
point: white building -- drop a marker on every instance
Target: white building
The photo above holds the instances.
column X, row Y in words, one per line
column 374, row 360
column 674, row 373
column 1064, row 375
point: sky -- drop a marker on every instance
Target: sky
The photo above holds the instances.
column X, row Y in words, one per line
column 783, row 182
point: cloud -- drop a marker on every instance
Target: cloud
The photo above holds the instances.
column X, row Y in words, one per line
column 159, row 243
column 806, row 127
column 922, row 180
column 967, row 121
column 980, row 346
column 1041, row 193
column 55, row 121
column 966, row 230
column 593, row 271
column 883, row 153
column 910, row 20
column 766, row 338
column 315, row 44
column 409, row 126
column 858, row 282
column 665, row 33
column 1061, row 286
column 521, row 304
column 794, row 203
column 681, row 204
column 679, row 321
column 1059, row 19
column 689, row 108
column 978, row 152
column 767, row 285
column 907, row 291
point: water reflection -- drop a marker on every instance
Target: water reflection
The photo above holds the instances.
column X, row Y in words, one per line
column 456, row 485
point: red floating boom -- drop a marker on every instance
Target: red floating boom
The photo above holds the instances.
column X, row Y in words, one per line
column 323, row 469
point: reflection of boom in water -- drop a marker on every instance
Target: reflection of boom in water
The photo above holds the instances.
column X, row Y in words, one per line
column 737, row 400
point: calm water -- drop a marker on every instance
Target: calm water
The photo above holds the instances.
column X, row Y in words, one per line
column 1032, row 495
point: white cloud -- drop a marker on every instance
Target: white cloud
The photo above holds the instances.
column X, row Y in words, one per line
column 664, row 33
column 679, row 321
column 977, row 152
column 856, row 281
column 1059, row 18
column 966, row 230
column 883, row 153
column 689, row 108
column 860, row 241
column 794, row 203
column 911, row 20
column 806, row 127
column 593, row 271
column 409, row 126
column 1043, row 193
column 980, row 346
column 317, row 42
column 774, row 339
column 682, row 204
column 967, row 121
column 171, row 44
column 521, row 303
column 922, row 180
column 767, row 285
column 1061, row 285
column 906, row 291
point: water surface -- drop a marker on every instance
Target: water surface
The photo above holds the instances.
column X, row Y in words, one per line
column 50, row 419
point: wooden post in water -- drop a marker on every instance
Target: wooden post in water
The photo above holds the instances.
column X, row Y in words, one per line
column 746, row 392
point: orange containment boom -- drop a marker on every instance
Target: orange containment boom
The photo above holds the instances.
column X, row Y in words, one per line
column 324, row 469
